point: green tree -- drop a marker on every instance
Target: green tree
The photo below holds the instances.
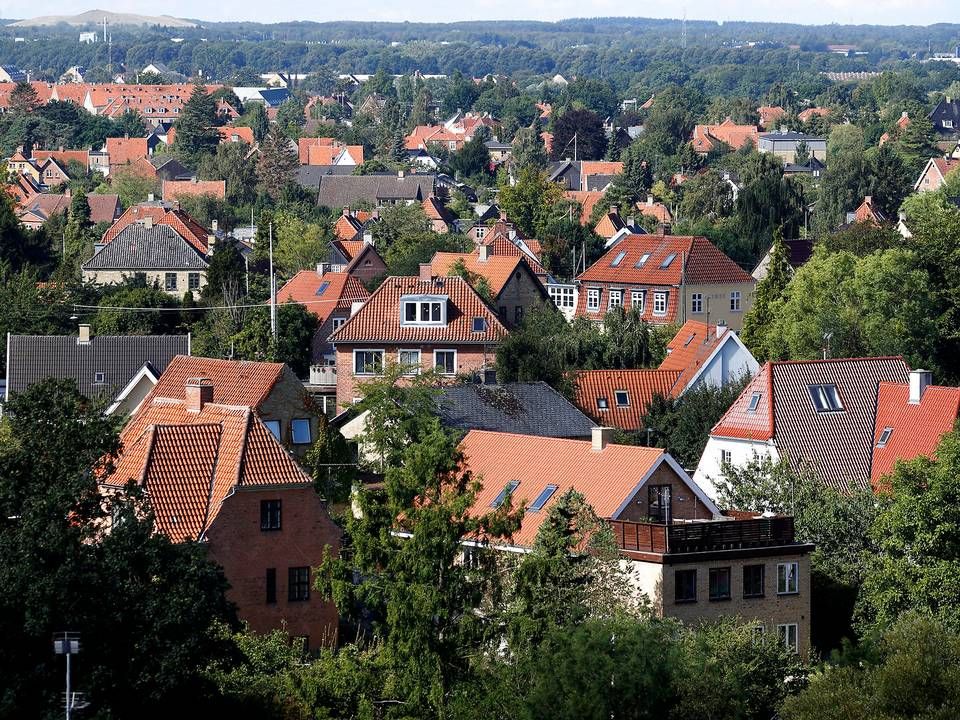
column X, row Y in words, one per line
column 23, row 99
column 133, row 187
column 256, row 119
column 133, row 294
column 769, row 290
column 636, row 179
column 801, row 154
column 196, row 132
column 845, row 181
column 291, row 116
column 578, row 133
column 295, row 330
column 916, row 144
column 708, row 196
column 526, row 201
column 890, row 180
column 277, row 163
column 472, row 160
column 528, row 150
column 233, row 164
column 331, row 464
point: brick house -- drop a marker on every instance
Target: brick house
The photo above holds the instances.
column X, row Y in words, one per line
column 669, row 279
column 215, row 474
column 934, row 174
column 426, row 322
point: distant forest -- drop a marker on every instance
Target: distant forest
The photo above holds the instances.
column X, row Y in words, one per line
column 634, row 55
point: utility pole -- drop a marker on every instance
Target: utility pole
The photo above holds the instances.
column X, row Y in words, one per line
column 574, row 147
column 273, row 291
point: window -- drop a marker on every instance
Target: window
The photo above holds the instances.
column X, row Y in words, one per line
column 502, row 312
column 271, row 586
column 367, row 362
column 323, row 288
column 726, row 457
column 826, row 398
column 593, row 299
column 338, row 322
column 719, row 583
column 616, row 299
column 193, row 281
column 479, row 324
column 99, row 378
column 659, row 503
column 445, row 361
column 685, row 582
column 696, row 303
column 735, row 301
column 787, row 578
column 758, row 631
column 269, row 514
column 300, row 431
column 948, row 123
column 754, row 402
column 411, row 359
column 622, row 398
column 667, row 260
column 660, row 303
column 507, row 490
column 602, row 403
column 170, row 281
column 543, row 498
column 424, row 310
column 562, row 295
column 885, row 437
column 518, row 314
column 618, row 259
column 274, row 427
column 298, row 584
column 753, row 577
column 481, row 231
column 788, row 635
column 636, row 299
column 643, row 260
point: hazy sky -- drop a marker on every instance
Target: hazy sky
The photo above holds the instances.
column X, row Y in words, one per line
column 886, row 12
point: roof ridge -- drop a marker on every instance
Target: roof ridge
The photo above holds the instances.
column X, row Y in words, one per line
column 835, row 360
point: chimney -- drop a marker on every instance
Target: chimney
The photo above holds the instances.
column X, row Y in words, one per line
column 484, row 251
column 631, row 221
column 198, row 392
column 83, row 337
column 346, row 211
column 148, row 222
column 919, row 380
column 868, row 199
column 721, row 328
column 601, row 437
column 650, row 200
column 614, row 209
column 150, row 197
column 400, row 174
column 211, row 242
column 503, row 215
column 214, row 225
column 663, row 228
column 426, row 272
column 368, row 237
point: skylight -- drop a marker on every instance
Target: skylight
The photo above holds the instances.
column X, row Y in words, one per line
column 754, row 402
column 618, row 259
column 507, row 490
column 323, row 287
column 826, row 398
column 885, row 437
column 667, row 260
column 543, row 498
column 690, row 339
column 602, row 403
column 643, row 260
column 622, row 398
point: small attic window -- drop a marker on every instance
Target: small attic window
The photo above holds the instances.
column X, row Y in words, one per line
column 543, row 498
column 479, row 324
column 602, row 403
column 885, row 437
column 754, row 402
column 622, row 398
column 690, row 339
column 667, row 260
column 618, row 259
column 826, row 398
column 99, row 378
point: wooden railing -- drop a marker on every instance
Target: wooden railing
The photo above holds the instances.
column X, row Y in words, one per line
column 703, row 536
column 641, row 537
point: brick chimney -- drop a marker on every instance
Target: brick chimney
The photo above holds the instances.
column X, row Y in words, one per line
column 663, row 228
column 601, row 437
column 198, row 392
column 426, row 272
column 920, row 380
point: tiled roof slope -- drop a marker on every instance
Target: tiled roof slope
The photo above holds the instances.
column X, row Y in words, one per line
column 379, row 319
column 138, row 247
column 917, row 427
column 607, row 479
column 689, row 349
column 640, row 385
column 339, row 292
column 161, row 214
column 741, row 423
column 704, row 262
column 497, row 269
column 172, row 190
column 32, row 358
column 527, row 408
column 235, row 382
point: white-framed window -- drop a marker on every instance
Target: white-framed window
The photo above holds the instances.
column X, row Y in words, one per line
column 754, row 402
column 481, row 231
column 826, row 398
column 637, row 298
column 948, row 123
column 274, row 427
column 726, row 457
column 170, row 281
column 696, row 303
column 787, row 633
column 563, row 296
column 411, row 360
column 445, row 361
column 300, row 431
column 660, row 303
column 593, row 298
column 602, row 404
column 788, row 578
column 735, row 301
column 367, row 362
column 423, row 310
column 622, row 398
column 338, row 322
column 99, row 378
column 193, row 281
column 616, row 299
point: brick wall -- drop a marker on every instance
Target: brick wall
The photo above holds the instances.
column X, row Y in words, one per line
column 686, row 505
column 245, row 552
column 289, row 400
column 523, row 290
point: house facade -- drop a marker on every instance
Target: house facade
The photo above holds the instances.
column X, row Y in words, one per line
column 934, row 174
column 784, row 145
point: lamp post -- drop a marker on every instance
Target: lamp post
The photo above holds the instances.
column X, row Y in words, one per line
column 67, row 643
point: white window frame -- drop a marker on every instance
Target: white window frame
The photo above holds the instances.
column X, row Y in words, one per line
column 414, row 367
column 696, row 303
column 626, row 396
column 735, row 301
column 366, row 373
column 658, row 297
column 642, row 295
column 785, row 573
column 783, row 633
column 481, row 231
column 563, row 296
column 293, row 432
column 948, row 124
column 443, row 371
column 338, row 323
column 615, row 299
column 424, row 302
column 593, row 299
column 726, row 456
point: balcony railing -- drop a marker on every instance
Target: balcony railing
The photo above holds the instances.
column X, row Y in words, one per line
column 323, row 374
column 703, row 536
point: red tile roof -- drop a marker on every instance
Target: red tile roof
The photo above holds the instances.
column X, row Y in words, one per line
column 769, row 115
column 349, row 225
column 654, row 209
column 689, row 349
column 435, row 210
column 600, row 167
column 229, row 132
column 62, row 156
column 497, row 269
column 123, row 151
column 916, row 428
column 810, row 113
column 349, row 248
column 640, row 386
column 339, row 292
column 727, row 132
column 739, row 421
column 868, row 212
column 379, row 319
column 180, row 221
column 173, row 190
column 103, row 208
column 587, row 199
column 607, row 478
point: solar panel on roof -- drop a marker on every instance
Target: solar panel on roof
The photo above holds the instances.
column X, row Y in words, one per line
column 323, row 287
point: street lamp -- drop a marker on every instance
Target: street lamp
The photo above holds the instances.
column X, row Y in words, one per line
column 68, row 643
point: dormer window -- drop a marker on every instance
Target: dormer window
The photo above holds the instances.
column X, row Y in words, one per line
column 423, row 310
column 826, row 398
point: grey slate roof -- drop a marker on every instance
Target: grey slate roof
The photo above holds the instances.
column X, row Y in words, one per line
column 530, row 408
column 31, row 358
column 308, row 176
column 337, row 191
column 138, row 247
column 837, row 447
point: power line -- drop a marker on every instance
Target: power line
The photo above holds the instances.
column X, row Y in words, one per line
column 197, row 308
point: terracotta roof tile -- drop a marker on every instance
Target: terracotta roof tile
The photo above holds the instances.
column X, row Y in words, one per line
column 123, row 151
column 497, row 269
column 587, row 199
column 159, row 214
column 742, row 423
column 689, row 349
column 639, row 385
column 600, row 167
column 173, row 190
column 322, row 294
column 727, row 132
column 229, row 133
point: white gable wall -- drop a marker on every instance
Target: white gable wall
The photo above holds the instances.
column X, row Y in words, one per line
column 729, row 363
column 741, row 452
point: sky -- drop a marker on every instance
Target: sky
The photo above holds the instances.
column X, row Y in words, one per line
column 880, row 12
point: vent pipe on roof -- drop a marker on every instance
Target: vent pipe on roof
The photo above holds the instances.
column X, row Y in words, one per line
column 83, row 336
column 601, row 437
column 919, row 381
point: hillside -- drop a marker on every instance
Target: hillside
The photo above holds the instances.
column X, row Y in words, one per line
column 95, row 17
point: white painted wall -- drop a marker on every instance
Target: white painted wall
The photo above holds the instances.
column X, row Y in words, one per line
column 730, row 363
column 741, row 452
